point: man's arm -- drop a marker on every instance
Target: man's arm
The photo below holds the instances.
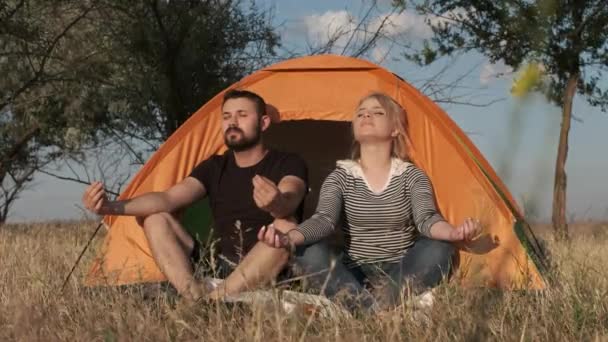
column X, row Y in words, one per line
column 319, row 225
column 264, row 263
column 281, row 200
column 176, row 197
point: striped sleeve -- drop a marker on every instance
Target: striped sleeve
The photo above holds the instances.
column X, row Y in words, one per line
column 423, row 201
column 327, row 214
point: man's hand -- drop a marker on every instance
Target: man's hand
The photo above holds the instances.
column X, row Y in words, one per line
column 266, row 194
column 468, row 230
column 94, row 198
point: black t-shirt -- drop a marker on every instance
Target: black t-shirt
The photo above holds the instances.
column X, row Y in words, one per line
column 230, row 191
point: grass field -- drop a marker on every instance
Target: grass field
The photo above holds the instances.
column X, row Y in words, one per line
column 34, row 259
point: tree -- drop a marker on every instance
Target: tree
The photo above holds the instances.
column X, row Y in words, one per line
column 169, row 57
column 84, row 74
column 44, row 90
column 566, row 38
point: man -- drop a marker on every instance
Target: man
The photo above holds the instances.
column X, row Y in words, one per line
column 250, row 186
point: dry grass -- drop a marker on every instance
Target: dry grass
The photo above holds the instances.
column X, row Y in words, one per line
column 36, row 258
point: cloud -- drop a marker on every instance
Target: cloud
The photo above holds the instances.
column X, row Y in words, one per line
column 323, row 27
column 491, row 72
column 341, row 24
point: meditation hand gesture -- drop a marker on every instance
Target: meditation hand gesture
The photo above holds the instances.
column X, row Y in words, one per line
column 274, row 238
column 468, row 230
column 265, row 193
column 94, row 198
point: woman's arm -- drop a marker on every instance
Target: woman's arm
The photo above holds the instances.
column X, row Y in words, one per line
column 465, row 232
column 320, row 225
column 422, row 198
column 426, row 216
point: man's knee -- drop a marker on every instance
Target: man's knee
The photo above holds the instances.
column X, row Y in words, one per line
column 155, row 223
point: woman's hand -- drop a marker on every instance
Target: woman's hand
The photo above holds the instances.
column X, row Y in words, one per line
column 468, row 230
column 274, row 238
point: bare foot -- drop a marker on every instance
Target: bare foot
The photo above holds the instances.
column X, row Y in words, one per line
column 216, row 294
column 198, row 290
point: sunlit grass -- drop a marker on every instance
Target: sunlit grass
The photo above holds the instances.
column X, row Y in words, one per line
column 36, row 258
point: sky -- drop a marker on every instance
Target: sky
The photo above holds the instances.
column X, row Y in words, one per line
column 517, row 136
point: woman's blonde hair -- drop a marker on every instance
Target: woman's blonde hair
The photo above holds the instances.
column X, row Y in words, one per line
column 399, row 118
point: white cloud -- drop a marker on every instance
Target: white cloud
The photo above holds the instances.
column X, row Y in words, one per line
column 341, row 27
column 490, row 72
column 323, row 27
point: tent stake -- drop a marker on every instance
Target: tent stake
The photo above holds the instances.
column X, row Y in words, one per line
column 65, row 282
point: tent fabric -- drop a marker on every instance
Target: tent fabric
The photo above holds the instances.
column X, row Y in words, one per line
column 325, row 89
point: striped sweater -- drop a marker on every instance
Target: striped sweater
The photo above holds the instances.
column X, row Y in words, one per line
column 378, row 226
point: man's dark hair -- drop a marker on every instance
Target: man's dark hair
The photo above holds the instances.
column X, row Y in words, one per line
column 260, row 104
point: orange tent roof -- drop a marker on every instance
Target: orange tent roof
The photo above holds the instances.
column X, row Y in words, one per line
column 326, row 88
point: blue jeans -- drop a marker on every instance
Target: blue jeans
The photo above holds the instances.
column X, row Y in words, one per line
column 424, row 266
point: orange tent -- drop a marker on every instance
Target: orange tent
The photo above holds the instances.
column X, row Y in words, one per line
column 312, row 100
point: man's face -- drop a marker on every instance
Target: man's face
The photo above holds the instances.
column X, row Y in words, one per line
column 241, row 124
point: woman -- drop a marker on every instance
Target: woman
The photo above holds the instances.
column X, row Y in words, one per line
column 394, row 235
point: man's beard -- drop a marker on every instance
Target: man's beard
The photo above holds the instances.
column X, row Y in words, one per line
column 244, row 143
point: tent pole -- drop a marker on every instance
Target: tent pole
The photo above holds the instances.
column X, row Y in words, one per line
column 65, row 282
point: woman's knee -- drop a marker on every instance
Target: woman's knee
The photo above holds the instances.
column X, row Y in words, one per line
column 436, row 252
column 426, row 264
column 314, row 258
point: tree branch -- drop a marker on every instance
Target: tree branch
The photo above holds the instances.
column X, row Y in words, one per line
column 72, row 179
column 18, row 146
column 469, row 103
column 359, row 24
column 128, row 147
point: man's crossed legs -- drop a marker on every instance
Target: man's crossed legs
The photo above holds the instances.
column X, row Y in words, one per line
column 172, row 247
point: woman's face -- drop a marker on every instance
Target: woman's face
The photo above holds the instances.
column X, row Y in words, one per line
column 372, row 123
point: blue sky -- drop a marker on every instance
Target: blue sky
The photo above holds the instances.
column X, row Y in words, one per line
column 518, row 137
